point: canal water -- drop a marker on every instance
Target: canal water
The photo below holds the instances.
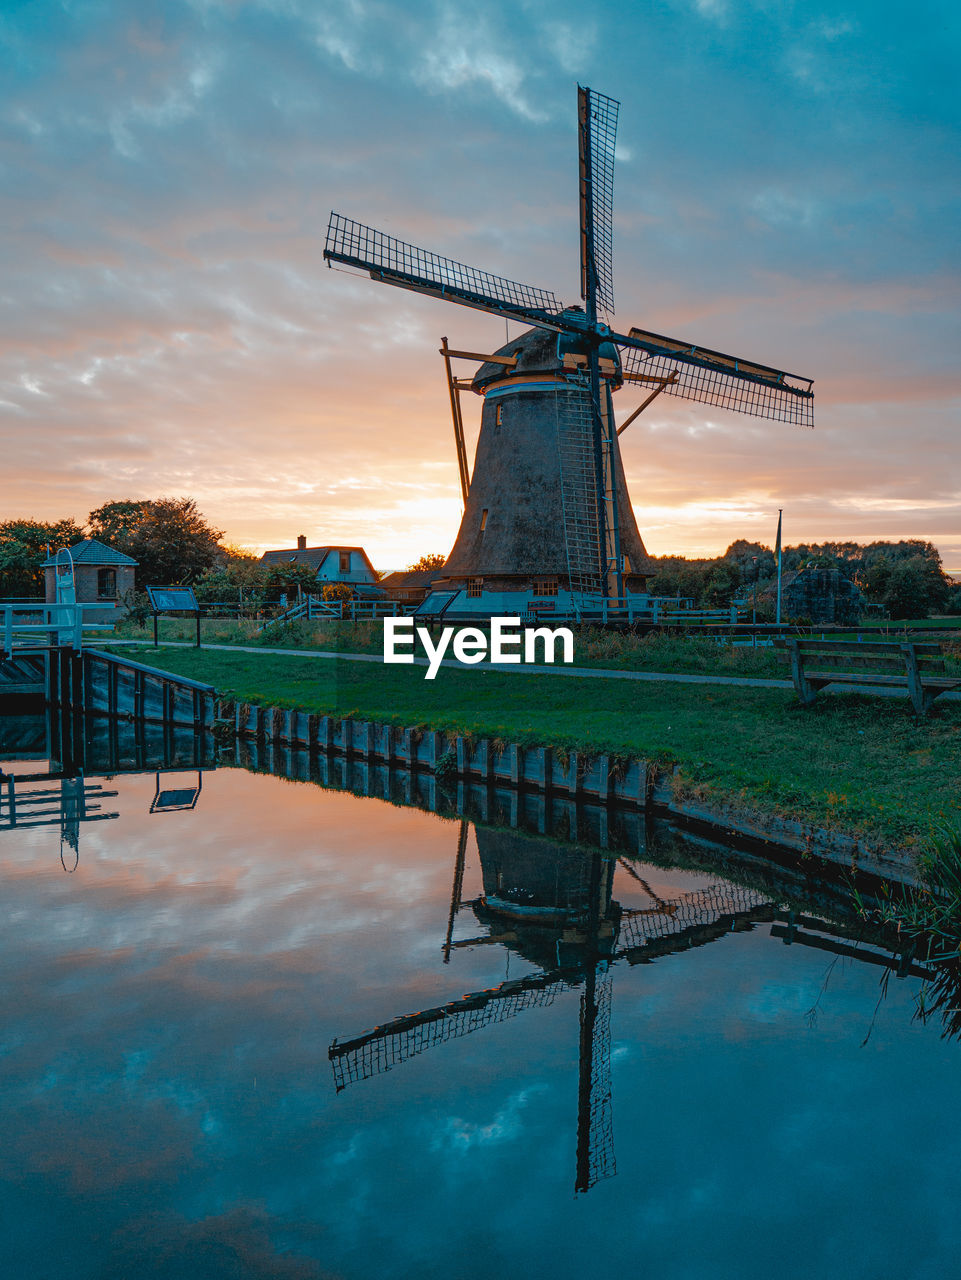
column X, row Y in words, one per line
column 254, row 1027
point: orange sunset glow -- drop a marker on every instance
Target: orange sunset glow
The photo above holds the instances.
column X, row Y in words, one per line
column 169, row 326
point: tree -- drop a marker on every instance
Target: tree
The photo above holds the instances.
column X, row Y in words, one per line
column 907, row 590
column 431, row 561
column 168, row 537
column 287, row 577
column 232, row 582
column 115, row 523
column 875, row 577
column 338, row 593
column 720, row 584
column 23, row 549
column 234, row 555
column 173, row 542
column 904, row 571
column 751, row 558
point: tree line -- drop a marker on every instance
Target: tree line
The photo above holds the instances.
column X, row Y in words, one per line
column 172, row 542
column 169, row 538
column 906, row 578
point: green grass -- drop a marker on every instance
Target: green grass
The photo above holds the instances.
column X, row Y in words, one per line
column 593, row 646
column 865, row 765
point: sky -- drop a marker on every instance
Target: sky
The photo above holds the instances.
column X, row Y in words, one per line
column 786, row 189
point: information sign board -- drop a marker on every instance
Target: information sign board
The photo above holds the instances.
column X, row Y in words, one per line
column 172, row 599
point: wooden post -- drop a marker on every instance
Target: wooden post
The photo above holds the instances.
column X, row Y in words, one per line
column 804, row 690
column 915, row 687
column 603, row 766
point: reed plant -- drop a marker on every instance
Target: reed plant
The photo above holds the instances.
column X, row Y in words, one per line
column 929, row 915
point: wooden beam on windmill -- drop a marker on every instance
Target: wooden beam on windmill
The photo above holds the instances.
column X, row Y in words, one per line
column 461, row 449
column 662, row 385
column 455, row 387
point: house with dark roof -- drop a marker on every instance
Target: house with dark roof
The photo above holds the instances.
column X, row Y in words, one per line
column 410, row 586
column 331, row 564
column 93, row 573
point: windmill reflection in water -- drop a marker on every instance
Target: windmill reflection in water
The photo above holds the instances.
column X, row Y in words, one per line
column 554, row 907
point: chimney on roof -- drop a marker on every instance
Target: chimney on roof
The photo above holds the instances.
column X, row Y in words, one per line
column 302, row 542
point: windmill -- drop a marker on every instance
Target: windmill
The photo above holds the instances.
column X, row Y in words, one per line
column 554, row 907
column 548, row 443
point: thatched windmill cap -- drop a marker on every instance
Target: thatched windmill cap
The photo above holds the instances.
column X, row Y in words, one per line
column 536, row 352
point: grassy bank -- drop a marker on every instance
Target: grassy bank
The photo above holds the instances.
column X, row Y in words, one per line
column 593, row 646
column 862, row 764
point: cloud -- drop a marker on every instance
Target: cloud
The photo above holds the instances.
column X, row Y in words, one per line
column 167, row 324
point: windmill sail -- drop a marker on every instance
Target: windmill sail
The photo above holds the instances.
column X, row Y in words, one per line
column 597, row 131
column 595, row 1122
column 711, row 377
column 558, row 447
column 667, row 926
column 396, row 262
column 386, row 1046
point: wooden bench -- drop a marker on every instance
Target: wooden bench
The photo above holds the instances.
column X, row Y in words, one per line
column 900, row 664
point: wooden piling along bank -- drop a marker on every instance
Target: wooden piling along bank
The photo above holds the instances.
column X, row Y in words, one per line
column 538, row 767
column 600, row 779
column 614, row 829
column 105, row 684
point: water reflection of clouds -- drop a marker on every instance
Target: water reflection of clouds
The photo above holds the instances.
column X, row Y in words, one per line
column 168, row 1011
column 266, row 869
column 506, row 1124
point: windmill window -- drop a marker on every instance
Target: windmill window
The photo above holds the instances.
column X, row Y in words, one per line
column 544, row 586
column 345, row 562
column 475, row 587
column 498, row 411
column 483, row 520
column 106, row 584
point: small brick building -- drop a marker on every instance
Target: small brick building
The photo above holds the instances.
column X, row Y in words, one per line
column 101, row 576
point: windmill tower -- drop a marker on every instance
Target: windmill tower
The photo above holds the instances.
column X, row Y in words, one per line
column 546, row 505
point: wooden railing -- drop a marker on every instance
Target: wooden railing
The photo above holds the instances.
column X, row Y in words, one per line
column 351, row 610
column 659, row 613
column 40, row 626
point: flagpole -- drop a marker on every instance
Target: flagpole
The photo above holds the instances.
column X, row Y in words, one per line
column 779, row 514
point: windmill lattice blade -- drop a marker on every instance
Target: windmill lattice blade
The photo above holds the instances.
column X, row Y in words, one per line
column 597, row 192
column 396, row 1041
column 713, row 378
column 680, row 917
column 396, row 262
column 595, row 1153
